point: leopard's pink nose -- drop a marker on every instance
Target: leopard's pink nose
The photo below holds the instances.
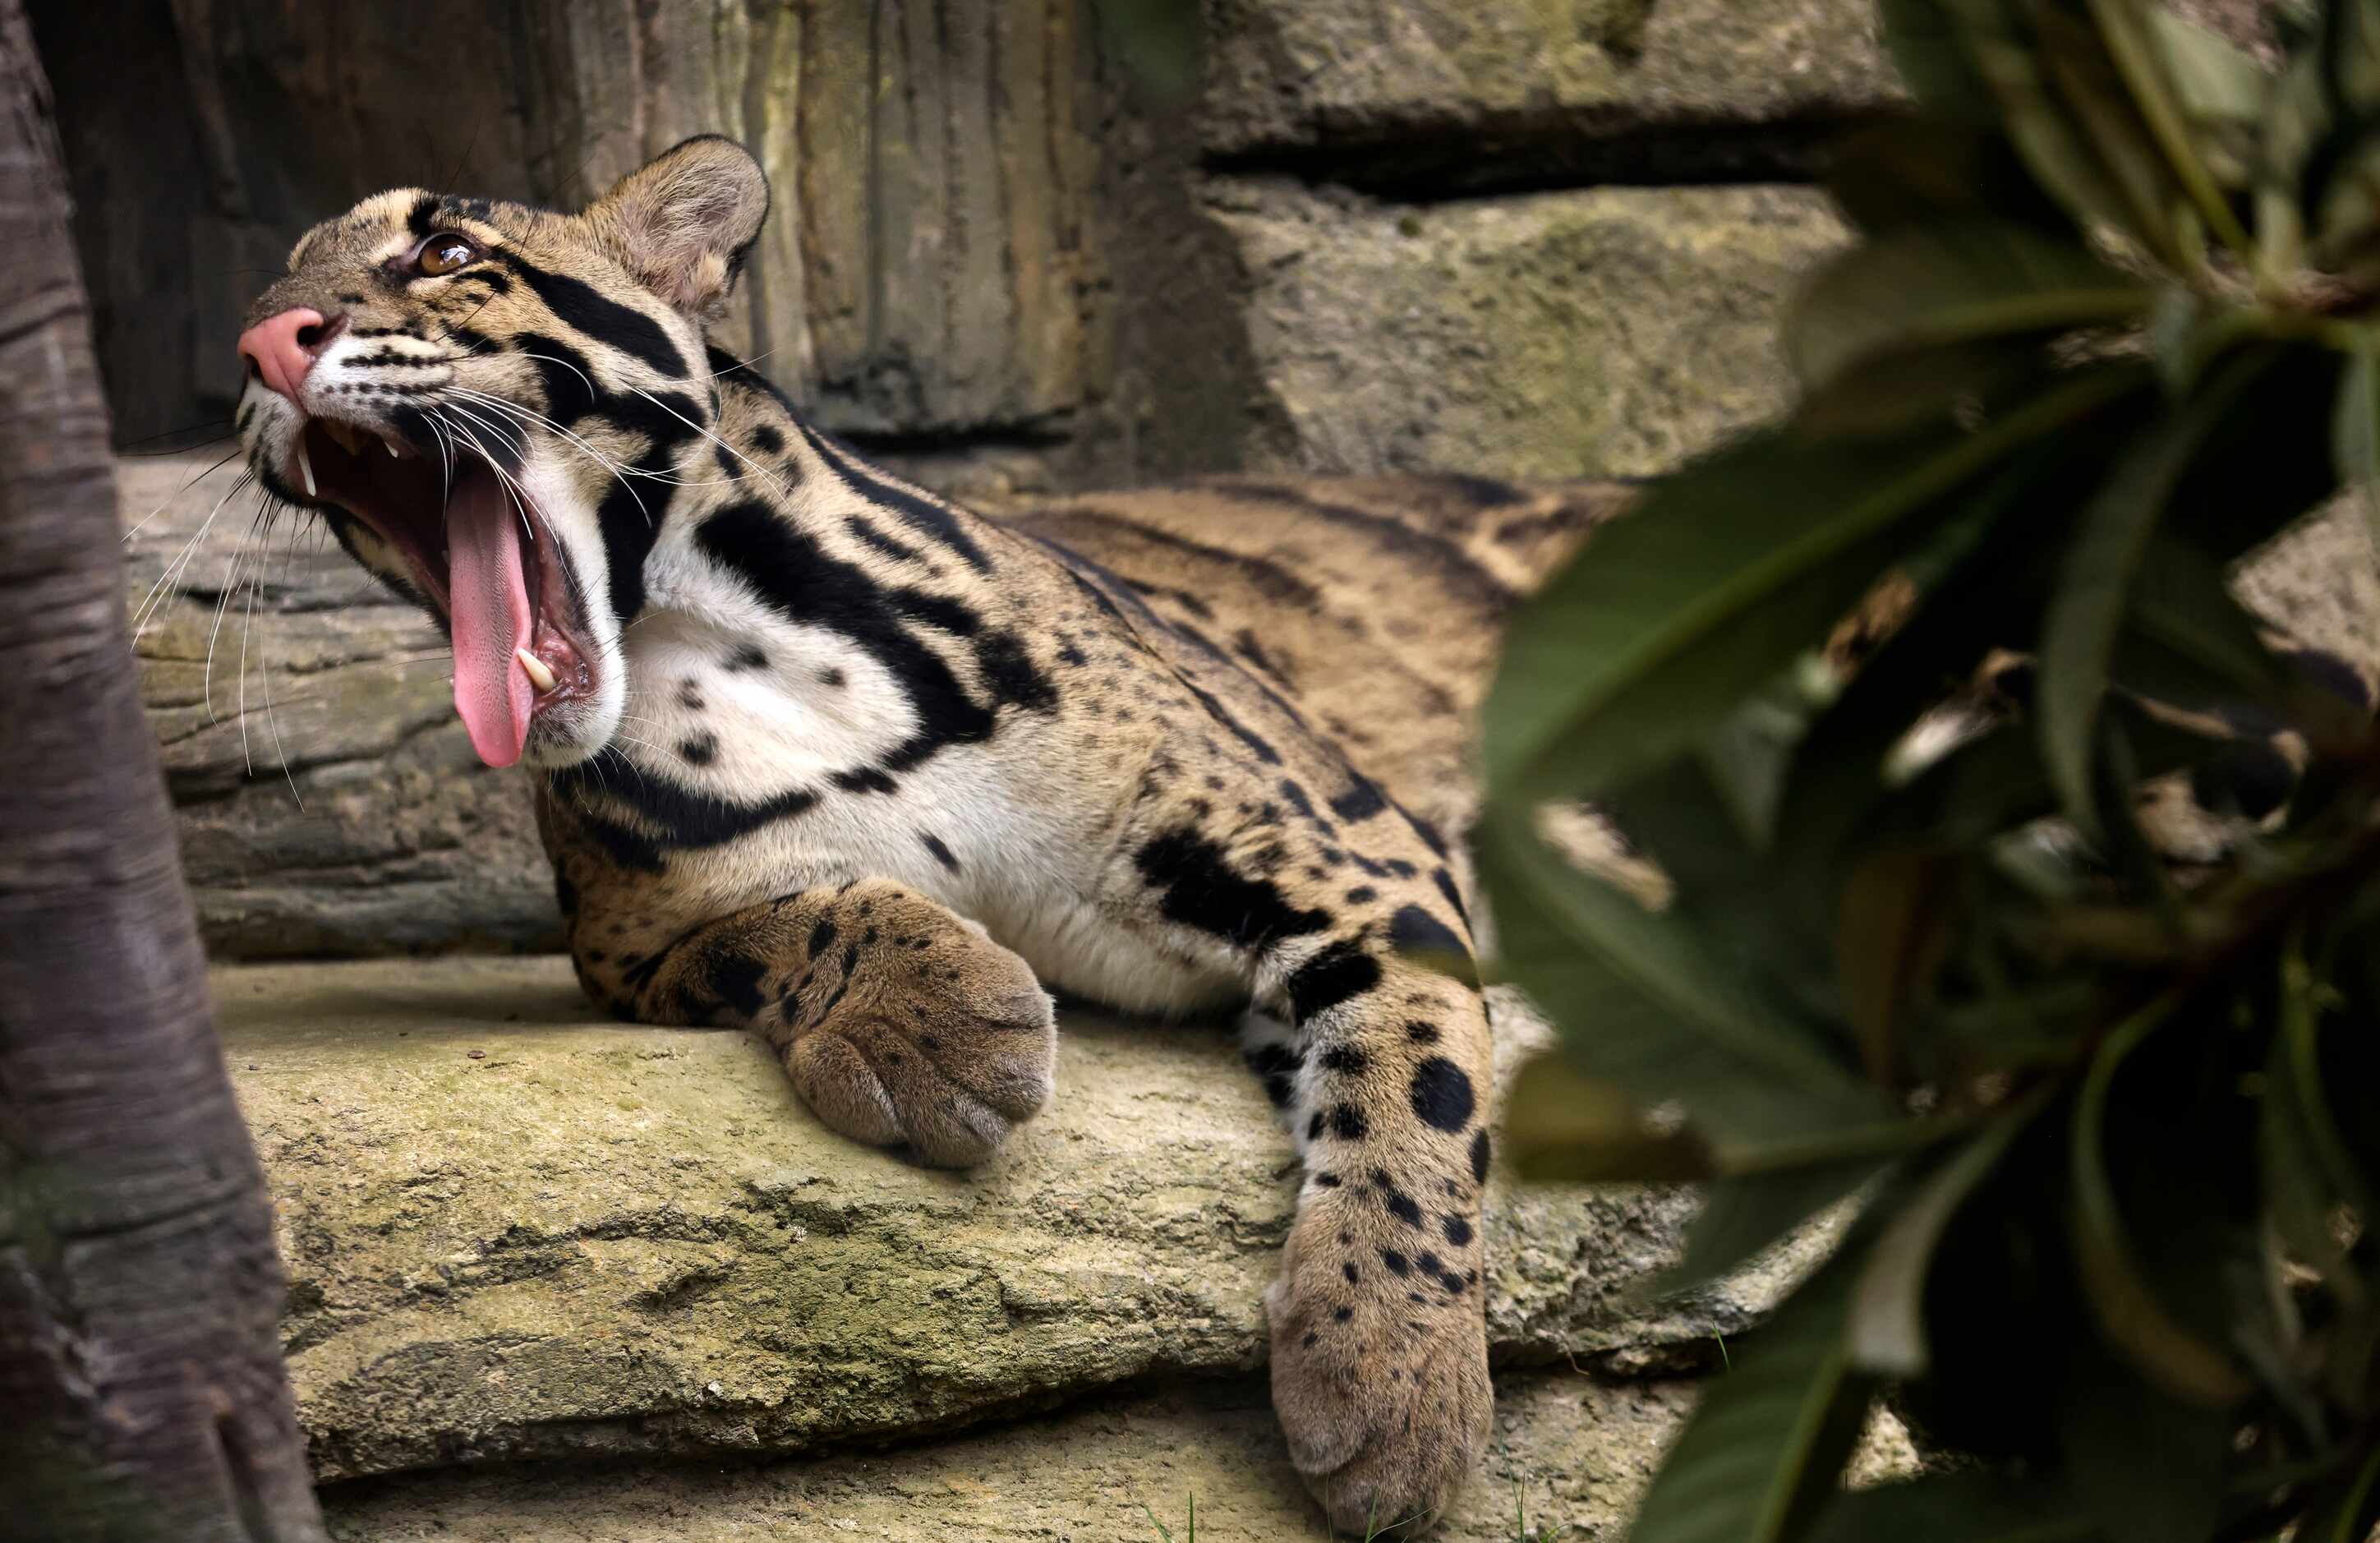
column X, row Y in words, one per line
column 282, row 348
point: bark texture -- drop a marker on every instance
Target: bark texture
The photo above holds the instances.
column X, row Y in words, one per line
column 142, row 1392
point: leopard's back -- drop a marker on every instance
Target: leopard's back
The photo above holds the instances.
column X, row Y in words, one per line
column 1371, row 605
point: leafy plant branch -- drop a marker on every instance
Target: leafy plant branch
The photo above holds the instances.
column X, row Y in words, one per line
column 2106, row 1090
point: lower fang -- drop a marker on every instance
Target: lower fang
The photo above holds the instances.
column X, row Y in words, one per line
column 306, row 468
column 534, row 668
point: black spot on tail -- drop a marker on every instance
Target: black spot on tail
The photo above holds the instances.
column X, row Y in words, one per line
column 1414, row 930
column 1340, row 971
column 1345, row 1060
column 1441, row 1094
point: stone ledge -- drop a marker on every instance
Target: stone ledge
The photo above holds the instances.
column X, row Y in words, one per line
column 515, row 1231
column 1573, row 1452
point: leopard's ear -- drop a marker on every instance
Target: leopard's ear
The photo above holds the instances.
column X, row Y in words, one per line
column 682, row 223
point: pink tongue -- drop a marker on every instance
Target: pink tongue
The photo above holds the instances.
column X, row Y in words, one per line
column 490, row 607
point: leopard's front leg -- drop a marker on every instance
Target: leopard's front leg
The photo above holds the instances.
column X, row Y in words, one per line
column 1380, row 1353
column 899, row 1021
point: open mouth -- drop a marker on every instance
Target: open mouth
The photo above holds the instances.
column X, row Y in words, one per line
column 482, row 555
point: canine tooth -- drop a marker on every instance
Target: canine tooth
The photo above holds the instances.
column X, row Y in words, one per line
column 390, row 446
column 306, row 468
column 534, row 667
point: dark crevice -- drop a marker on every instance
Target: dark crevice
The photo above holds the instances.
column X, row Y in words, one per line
column 1422, row 163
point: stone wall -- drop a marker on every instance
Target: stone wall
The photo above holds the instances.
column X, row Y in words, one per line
column 1534, row 241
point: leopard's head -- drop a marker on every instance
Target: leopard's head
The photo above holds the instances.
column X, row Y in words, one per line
column 487, row 403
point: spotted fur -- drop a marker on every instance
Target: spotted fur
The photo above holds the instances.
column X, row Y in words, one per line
column 864, row 772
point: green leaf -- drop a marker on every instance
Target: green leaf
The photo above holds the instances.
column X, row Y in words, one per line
column 1888, row 1305
column 2268, row 461
column 2067, row 109
column 1767, row 1442
column 2225, row 95
column 2298, row 1194
column 1746, row 756
column 1746, row 1215
column 2139, row 54
column 1649, row 1004
column 1904, row 325
column 1930, row 50
column 1967, row 566
column 2187, row 642
column 2301, row 1044
column 1956, row 1507
column 2130, row 1316
column 1562, row 1126
column 1924, row 171
column 1901, row 392
column 1699, row 595
column 2150, row 1469
column 1892, row 930
column 2213, row 81
column 1687, row 817
column 2347, row 1515
column 2110, row 543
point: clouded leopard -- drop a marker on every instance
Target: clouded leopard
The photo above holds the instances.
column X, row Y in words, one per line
column 823, row 756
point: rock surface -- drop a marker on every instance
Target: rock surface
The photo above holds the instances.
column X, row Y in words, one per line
column 1609, row 333
column 1569, row 1456
column 1500, row 88
column 514, row 1232
column 329, row 801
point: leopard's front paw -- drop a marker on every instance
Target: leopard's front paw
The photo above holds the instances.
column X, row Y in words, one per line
column 1379, row 1374
column 944, row 1043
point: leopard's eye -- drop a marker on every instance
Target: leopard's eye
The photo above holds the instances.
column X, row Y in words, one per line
column 443, row 253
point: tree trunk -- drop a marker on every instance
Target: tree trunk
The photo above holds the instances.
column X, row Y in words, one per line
column 142, row 1393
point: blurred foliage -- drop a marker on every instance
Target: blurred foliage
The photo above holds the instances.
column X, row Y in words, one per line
column 2110, row 324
